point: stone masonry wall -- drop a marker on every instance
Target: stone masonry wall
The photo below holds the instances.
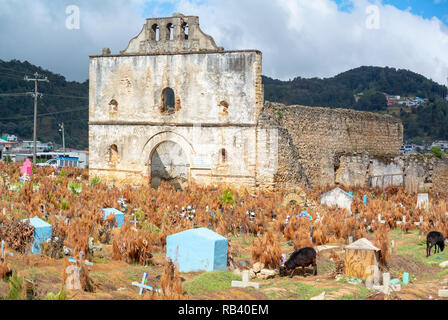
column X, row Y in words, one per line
column 313, row 139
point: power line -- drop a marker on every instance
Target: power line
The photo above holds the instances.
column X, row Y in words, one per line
column 64, row 96
column 14, row 94
column 17, row 78
column 44, row 114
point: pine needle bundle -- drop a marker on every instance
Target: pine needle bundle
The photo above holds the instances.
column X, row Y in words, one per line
column 267, row 250
column 132, row 245
column 382, row 242
column 171, row 284
column 18, row 235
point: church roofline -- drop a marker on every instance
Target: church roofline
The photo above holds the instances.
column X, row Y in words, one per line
column 174, row 53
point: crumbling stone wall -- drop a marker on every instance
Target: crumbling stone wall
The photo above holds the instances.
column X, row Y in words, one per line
column 316, row 137
column 417, row 173
column 440, row 177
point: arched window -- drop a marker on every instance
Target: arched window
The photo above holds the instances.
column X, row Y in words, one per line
column 185, row 30
column 113, row 105
column 170, row 31
column 223, row 156
column 168, row 101
column 155, row 33
column 113, row 153
column 224, row 107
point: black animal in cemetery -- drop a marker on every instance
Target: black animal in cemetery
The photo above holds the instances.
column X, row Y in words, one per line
column 300, row 258
column 436, row 239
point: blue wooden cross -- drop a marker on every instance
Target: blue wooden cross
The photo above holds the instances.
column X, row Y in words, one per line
column 122, row 203
column 73, row 260
column 142, row 285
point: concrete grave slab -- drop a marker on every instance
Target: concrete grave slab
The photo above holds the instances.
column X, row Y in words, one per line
column 119, row 216
column 337, row 197
column 197, row 250
column 42, row 232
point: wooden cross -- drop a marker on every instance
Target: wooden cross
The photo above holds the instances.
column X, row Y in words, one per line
column 73, row 260
column 142, row 285
column 134, row 221
column 245, row 283
column 3, row 251
column 420, row 222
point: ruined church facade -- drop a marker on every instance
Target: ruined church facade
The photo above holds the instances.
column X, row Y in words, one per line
column 174, row 106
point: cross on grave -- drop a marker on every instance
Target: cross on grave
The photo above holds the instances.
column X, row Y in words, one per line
column 3, row 251
column 72, row 260
column 142, row 285
column 420, row 222
column 134, row 221
column 122, row 202
column 402, row 222
column 245, row 283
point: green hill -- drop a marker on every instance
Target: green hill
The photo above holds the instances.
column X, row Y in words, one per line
column 62, row 101
column 67, row 102
column 428, row 122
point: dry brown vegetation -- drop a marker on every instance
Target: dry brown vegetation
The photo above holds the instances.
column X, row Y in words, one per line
column 77, row 217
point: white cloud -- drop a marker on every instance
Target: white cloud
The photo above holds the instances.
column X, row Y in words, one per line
column 35, row 30
column 314, row 38
column 297, row 37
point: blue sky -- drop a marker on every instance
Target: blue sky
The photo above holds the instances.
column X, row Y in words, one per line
column 424, row 8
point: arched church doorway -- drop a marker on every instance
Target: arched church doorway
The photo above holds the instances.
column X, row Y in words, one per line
column 169, row 163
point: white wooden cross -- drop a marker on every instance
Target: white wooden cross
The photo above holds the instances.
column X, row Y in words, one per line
column 402, row 222
column 142, row 285
column 134, row 221
column 420, row 222
column 245, row 283
column 3, row 251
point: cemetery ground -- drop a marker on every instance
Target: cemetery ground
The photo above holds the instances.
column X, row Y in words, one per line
column 73, row 205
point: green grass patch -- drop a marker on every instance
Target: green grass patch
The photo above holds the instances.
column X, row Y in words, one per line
column 99, row 260
column 245, row 241
column 417, row 249
column 99, row 275
column 296, row 290
column 361, row 294
column 210, row 281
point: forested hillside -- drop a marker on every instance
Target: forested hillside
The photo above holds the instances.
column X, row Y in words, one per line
column 428, row 122
column 62, row 101
column 67, row 102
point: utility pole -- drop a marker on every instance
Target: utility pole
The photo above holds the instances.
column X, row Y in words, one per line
column 61, row 126
column 35, row 94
